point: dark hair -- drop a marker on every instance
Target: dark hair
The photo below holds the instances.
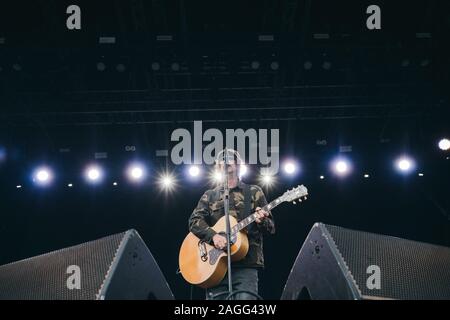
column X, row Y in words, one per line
column 230, row 153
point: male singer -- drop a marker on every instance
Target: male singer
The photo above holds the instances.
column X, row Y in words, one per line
column 210, row 209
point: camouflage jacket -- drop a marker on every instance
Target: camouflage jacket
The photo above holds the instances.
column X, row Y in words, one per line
column 210, row 209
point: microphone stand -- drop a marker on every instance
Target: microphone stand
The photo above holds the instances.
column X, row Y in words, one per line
column 226, row 205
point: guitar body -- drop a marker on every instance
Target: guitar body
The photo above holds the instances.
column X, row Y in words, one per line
column 203, row 265
column 208, row 270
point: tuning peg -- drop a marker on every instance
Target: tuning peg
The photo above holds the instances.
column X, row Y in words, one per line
column 306, row 198
column 294, row 202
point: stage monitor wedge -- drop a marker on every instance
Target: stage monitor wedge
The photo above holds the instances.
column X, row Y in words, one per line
column 338, row 263
column 118, row 267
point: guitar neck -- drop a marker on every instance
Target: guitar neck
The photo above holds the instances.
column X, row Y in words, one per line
column 252, row 218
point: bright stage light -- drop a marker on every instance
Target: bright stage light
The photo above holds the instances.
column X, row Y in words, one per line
column 444, row 144
column 136, row 172
column 216, row 177
column 114, row 183
column 243, row 170
column 267, row 180
column 321, row 177
column 42, row 176
column 194, row 171
column 290, row 168
column 341, row 167
column 405, row 164
column 70, row 185
column 167, row 181
column 366, row 176
column 94, row 174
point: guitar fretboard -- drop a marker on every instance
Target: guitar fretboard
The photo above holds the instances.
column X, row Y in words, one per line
column 251, row 218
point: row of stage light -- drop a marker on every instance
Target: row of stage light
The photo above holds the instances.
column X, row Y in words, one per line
column 137, row 172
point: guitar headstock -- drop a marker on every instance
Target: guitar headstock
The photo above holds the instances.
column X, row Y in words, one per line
column 298, row 193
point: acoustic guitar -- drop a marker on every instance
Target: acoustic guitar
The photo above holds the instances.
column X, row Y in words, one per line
column 204, row 265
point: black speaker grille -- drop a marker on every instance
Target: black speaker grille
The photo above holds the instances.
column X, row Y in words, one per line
column 45, row 276
column 409, row 269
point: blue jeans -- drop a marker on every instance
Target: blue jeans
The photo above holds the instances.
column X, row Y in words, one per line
column 243, row 279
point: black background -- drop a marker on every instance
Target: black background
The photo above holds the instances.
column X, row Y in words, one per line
column 59, row 100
